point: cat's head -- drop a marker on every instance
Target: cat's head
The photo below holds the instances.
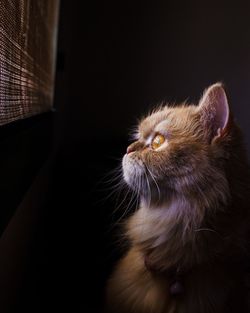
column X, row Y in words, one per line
column 181, row 149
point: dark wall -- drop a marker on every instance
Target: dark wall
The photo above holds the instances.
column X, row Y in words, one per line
column 122, row 58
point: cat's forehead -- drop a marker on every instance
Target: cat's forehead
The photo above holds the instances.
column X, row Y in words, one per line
column 149, row 123
column 166, row 115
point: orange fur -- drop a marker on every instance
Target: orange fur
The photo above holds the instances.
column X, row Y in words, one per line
column 194, row 213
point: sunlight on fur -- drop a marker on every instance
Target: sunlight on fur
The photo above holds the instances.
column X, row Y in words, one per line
column 189, row 237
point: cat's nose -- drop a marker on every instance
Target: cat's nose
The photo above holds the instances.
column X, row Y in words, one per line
column 135, row 146
column 130, row 149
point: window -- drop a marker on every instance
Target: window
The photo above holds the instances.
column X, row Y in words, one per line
column 28, row 30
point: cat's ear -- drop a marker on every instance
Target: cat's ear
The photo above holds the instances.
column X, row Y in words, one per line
column 215, row 111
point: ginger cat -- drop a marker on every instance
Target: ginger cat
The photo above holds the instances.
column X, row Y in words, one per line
column 189, row 239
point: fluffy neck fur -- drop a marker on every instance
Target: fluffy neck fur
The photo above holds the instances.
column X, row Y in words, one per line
column 191, row 227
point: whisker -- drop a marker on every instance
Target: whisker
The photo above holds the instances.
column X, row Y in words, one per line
column 207, row 229
column 152, row 176
column 149, row 189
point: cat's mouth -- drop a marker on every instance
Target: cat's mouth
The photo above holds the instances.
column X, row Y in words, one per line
column 133, row 171
column 141, row 180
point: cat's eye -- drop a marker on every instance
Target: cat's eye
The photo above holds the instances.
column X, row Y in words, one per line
column 157, row 141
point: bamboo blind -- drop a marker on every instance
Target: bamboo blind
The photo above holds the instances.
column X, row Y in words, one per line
column 28, row 31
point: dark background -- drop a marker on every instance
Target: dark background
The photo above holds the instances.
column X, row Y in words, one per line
column 121, row 58
column 115, row 61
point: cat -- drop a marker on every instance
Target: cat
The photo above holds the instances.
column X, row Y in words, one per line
column 188, row 241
